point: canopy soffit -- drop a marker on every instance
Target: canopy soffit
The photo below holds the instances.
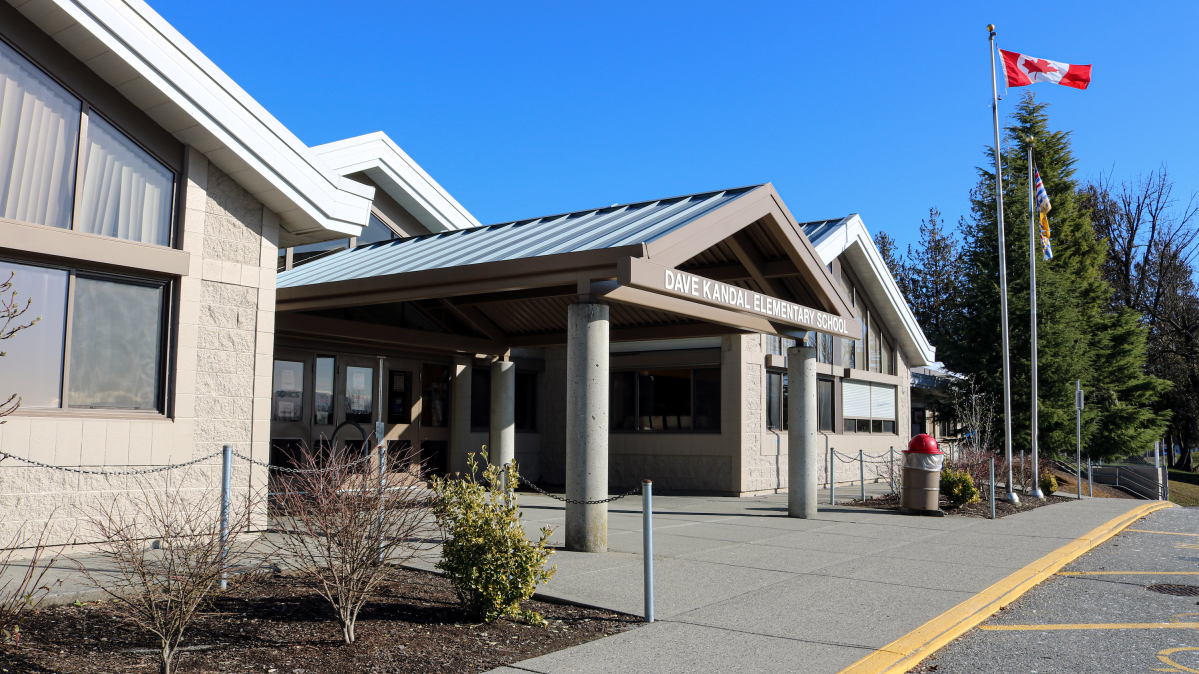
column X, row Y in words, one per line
column 744, row 260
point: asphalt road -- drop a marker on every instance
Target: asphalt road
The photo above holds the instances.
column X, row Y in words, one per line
column 1096, row 615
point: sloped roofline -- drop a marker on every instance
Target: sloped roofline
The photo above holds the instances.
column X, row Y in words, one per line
column 147, row 60
column 380, row 158
column 850, row 237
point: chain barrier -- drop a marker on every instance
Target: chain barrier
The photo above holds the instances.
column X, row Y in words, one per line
column 365, row 457
column 89, row 471
column 543, row 492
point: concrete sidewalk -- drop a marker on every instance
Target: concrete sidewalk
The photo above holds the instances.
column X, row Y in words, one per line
column 742, row 587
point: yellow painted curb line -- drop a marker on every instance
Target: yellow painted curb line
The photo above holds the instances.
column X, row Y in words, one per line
column 907, row 651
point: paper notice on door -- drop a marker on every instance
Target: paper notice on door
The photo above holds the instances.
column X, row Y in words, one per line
column 287, row 409
column 289, row 380
column 359, row 380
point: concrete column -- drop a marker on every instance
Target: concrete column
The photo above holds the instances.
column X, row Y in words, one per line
column 501, row 448
column 803, row 460
column 587, row 426
column 460, row 445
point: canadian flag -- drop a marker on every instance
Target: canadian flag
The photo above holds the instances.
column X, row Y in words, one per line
column 1021, row 70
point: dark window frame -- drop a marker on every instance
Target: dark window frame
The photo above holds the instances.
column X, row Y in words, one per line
column 167, row 337
column 612, row 421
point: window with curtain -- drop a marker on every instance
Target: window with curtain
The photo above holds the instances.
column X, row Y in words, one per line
column 45, row 132
column 116, row 345
column 868, row 407
column 39, row 132
column 127, row 194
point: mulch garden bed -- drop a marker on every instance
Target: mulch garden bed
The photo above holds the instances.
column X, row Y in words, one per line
column 274, row 625
column 976, row 509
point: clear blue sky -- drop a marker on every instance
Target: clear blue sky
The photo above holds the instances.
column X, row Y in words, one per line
column 524, row 109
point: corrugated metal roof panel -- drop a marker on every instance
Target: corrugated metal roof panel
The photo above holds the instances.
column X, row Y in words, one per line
column 594, row 229
column 818, row 229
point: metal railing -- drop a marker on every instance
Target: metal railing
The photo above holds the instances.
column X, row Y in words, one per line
column 1132, row 481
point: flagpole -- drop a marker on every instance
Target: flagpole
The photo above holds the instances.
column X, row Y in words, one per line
column 1010, row 497
column 1032, row 295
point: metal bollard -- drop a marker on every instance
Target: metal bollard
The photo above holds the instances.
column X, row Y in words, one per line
column 832, row 476
column 379, row 432
column 893, row 470
column 1090, row 485
column 226, row 488
column 993, row 487
column 862, row 472
column 647, row 551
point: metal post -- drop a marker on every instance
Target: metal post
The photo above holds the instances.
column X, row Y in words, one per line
column 1032, row 298
column 862, row 472
column 892, row 470
column 1157, row 463
column 1007, row 379
column 832, row 480
column 1078, row 433
column 992, row 487
column 382, row 447
column 647, row 525
column 226, row 489
column 1090, row 484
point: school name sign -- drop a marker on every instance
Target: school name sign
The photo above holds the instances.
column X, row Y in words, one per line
column 657, row 278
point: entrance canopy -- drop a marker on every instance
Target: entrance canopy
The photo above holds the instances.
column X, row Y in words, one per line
column 697, row 265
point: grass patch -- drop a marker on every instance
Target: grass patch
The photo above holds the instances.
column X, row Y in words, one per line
column 1184, row 488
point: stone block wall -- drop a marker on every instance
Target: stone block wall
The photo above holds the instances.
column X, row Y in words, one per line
column 220, row 380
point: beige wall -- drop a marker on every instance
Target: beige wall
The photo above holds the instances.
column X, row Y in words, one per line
column 221, row 376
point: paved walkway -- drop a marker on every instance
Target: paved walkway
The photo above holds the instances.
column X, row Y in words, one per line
column 741, row 587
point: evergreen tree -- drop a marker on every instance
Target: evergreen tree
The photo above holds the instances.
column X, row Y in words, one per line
column 1077, row 337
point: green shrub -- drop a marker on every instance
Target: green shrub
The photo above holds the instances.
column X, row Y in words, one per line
column 958, row 486
column 486, row 555
column 1048, row 484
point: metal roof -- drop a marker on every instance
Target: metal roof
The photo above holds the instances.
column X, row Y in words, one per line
column 618, row 225
column 818, row 229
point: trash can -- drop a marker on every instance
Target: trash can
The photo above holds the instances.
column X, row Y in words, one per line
column 921, row 488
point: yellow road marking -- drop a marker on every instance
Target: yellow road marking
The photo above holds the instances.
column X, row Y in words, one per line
column 1128, row 573
column 1170, row 533
column 1164, row 657
column 905, row 652
column 1089, row 626
column 1189, row 546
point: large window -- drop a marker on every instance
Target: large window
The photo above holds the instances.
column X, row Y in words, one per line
column 666, row 400
column 776, row 402
column 126, row 192
column 480, row 399
column 868, row 407
column 113, row 329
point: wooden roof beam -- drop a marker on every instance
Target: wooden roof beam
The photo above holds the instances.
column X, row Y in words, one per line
column 747, row 254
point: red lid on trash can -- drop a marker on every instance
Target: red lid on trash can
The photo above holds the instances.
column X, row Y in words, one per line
column 923, row 444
